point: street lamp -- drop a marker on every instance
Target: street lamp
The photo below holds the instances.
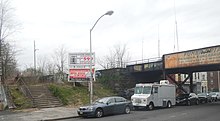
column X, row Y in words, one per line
column 90, row 64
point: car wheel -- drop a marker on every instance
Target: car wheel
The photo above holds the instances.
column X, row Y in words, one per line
column 188, row 102
column 127, row 110
column 99, row 113
column 197, row 102
column 169, row 105
column 151, row 106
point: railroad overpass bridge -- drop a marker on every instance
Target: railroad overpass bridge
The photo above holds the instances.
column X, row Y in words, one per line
column 185, row 62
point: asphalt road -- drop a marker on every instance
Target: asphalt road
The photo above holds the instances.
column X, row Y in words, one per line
column 202, row 112
column 7, row 112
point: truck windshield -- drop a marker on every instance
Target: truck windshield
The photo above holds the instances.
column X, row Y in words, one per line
column 142, row 90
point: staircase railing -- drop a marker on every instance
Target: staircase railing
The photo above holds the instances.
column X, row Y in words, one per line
column 25, row 89
column 10, row 102
column 3, row 99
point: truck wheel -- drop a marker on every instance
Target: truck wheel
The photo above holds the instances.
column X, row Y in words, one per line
column 150, row 106
column 169, row 105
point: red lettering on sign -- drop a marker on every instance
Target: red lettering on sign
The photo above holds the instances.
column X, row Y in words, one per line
column 79, row 73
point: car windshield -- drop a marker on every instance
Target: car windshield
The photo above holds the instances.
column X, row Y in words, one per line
column 212, row 93
column 202, row 94
column 102, row 100
column 142, row 90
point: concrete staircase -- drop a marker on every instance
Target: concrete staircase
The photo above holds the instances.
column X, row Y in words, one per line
column 43, row 98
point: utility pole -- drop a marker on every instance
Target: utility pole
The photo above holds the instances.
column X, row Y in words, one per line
column 35, row 58
column 218, row 82
column 1, row 61
column 142, row 51
column 90, row 64
column 1, row 58
column 176, row 29
column 158, row 40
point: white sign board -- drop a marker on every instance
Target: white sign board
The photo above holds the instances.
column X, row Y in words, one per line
column 79, row 60
column 79, row 66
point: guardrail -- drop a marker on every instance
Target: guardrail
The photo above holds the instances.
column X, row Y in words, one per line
column 125, row 64
column 144, row 61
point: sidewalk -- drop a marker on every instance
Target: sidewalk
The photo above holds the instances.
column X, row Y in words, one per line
column 41, row 114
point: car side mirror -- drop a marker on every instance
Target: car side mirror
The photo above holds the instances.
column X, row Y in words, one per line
column 108, row 103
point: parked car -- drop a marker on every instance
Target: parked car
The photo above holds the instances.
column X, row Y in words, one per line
column 187, row 99
column 106, row 106
column 215, row 96
column 204, row 97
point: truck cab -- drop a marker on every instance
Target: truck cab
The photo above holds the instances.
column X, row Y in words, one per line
column 152, row 95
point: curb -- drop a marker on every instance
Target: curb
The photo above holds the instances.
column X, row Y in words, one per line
column 60, row 118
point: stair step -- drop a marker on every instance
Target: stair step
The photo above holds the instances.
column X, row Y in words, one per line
column 42, row 97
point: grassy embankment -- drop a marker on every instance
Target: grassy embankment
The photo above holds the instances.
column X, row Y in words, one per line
column 69, row 95
column 78, row 95
column 20, row 101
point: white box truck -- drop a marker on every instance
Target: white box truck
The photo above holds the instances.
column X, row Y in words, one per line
column 152, row 95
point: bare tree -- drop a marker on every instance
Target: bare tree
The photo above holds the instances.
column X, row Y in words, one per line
column 50, row 68
column 60, row 60
column 120, row 52
column 7, row 27
column 9, row 62
column 108, row 61
column 42, row 62
column 116, row 58
column 46, row 66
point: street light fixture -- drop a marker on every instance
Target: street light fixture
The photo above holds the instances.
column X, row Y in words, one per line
column 90, row 64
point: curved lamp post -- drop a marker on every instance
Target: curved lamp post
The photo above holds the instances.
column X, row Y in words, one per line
column 90, row 64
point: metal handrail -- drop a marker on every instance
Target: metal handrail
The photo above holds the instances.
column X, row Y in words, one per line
column 26, row 89
column 144, row 61
column 9, row 98
column 129, row 63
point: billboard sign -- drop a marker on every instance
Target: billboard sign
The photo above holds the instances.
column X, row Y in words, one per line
column 79, row 66
column 80, row 73
column 81, row 59
column 198, row 57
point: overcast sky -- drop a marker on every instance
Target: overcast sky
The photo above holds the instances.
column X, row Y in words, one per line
column 53, row 23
